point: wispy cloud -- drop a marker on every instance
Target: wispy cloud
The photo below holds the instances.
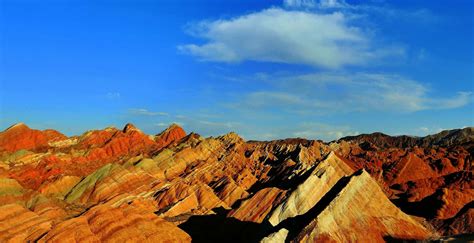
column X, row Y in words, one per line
column 461, row 99
column 229, row 125
column 308, row 130
column 380, row 9
column 211, row 127
column 424, row 129
column 327, row 132
column 427, row 130
column 164, row 124
column 329, row 40
column 161, row 124
column 315, row 3
column 145, row 112
column 112, row 95
column 332, row 92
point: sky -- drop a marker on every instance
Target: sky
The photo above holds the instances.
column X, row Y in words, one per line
column 318, row 69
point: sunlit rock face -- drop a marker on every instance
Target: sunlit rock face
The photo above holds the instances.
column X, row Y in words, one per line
column 429, row 177
column 20, row 136
column 356, row 209
column 171, row 135
column 115, row 185
column 307, row 194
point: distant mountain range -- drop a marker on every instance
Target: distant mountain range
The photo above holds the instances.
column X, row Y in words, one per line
column 445, row 138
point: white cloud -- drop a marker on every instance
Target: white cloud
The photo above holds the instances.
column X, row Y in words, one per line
column 112, row 95
column 427, row 130
column 145, row 112
column 333, row 92
column 266, row 136
column 314, row 130
column 262, row 99
column 299, row 3
column 384, row 10
column 229, row 125
column 328, row 40
column 308, row 130
column 461, row 99
column 314, row 3
column 421, row 55
column 424, row 129
column 326, row 133
column 163, row 124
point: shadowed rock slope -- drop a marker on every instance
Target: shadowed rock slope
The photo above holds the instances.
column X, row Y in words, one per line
column 115, row 185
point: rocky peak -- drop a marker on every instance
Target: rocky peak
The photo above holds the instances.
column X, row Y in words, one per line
column 448, row 138
column 17, row 126
column 20, row 136
column 170, row 135
column 173, row 128
column 307, row 194
column 130, row 127
column 445, row 138
column 368, row 206
column 382, row 140
column 231, row 137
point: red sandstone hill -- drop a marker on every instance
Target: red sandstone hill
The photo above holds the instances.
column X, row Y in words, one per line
column 124, row 185
column 20, row 136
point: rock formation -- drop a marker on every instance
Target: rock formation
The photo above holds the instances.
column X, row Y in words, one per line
column 356, row 209
column 124, row 185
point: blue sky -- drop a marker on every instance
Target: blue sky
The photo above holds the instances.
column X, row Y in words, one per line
column 265, row 69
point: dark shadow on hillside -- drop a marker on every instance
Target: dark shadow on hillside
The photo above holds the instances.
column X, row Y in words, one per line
column 426, row 208
column 461, row 238
column 279, row 182
column 468, row 237
column 444, row 225
column 279, row 171
column 219, row 228
column 296, row 224
column 390, row 239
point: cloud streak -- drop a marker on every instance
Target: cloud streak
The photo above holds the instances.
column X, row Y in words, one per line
column 145, row 112
column 112, row 95
column 308, row 130
column 380, row 9
column 315, row 130
column 315, row 3
column 327, row 93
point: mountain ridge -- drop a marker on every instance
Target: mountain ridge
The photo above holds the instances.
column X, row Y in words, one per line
column 443, row 138
column 176, row 182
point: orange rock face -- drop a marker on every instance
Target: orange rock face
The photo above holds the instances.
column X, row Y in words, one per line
column 108, row 224
column 430, row 177
column 257, row 207
column 20, row 224
column 171, row 135
column 356, row 208
column 20, row 136
column 115, row 185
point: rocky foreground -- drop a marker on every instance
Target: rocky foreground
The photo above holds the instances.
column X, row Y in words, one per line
column 115, row 185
